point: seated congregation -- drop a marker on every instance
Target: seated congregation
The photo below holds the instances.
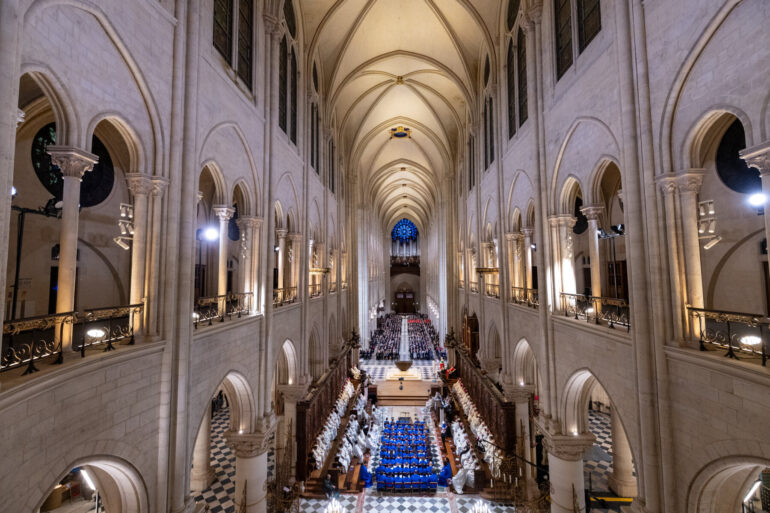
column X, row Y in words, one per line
column 405, row 463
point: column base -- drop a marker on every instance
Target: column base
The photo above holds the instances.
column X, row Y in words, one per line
column 623, row 487
column 199, row 481
column 190, row 506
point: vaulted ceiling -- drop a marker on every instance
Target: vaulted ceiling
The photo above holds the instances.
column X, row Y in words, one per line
column 389, row 63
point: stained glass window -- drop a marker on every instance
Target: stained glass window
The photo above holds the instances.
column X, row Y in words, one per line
column 404, row 231
column 282, row 74
column 288, row 14
column 521, row 66
column 245, row 39
column 294, row 79
column 511, row 76
column 589, row 21
column 223, row 28
column 513, row 11
column 563, row 31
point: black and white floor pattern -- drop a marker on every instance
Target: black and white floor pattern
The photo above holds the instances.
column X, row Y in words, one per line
column 348, row 502
column 219, row 496
column 378, row 369
column 598, row 464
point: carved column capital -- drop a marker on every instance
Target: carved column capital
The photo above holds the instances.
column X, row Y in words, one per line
column 223, row 212
column 517, row 393
column 690, row 180
column 293, row 393
column 295, row 237
column 528, row 232
column 159, row 186
column 250, row 445
column 592, row 212
column 248, row 222
column 758, row 156
column 667, row 184
column 73, row 162
column 199, row 196
column 568, row 447
column 20, row 116
column 139, row 184
column 272, row 26
column 535, row 12
column 281, row 233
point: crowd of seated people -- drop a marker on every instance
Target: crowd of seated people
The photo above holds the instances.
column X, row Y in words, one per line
column 386, row 342
column 405, row 458
column 332, row 424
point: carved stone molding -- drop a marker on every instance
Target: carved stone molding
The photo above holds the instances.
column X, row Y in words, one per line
column 758, row 156
column 592, row 212
column 249, row 222
column 667, row 184
column 139, row 184
column 293, row 393
column 528, row 232
column 281, row 233
column 159, row 186
column 73, row 162
column 223, row 213
column 568, row 447
column 250, row 445
column 690, row 180
column 518, row 393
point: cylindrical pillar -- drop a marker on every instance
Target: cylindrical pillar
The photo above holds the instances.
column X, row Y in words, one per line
column 250, row 470
column 528, row 232
column 224, row 214
column 140, row 186
column 689, row 185
column 151, row 307
column 565, row 469
column 281, row 259
column 296, row 252
column 593, row 213
column 622, row 481
column 73, row 163
column 202, row 473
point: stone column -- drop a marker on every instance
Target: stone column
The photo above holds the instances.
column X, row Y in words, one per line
column 292, row 394
column 223, row 213
column 510, row 261
column 593, row 213
column 281, row 258
column 311, row 278
column 759, row 157
column 250, row 469
column 565, row 463
column 622, row 480
column 73, row 163
column 566, row 263
column 296, row 252
column 669, row 189
column 528, row 233
column 202, row 473
column 140, row 186
column 151, row 306
column 248, row 228
column 255, row 269
column 519, row 394
column 518, row 260
column 689, row 184
column 320, row 248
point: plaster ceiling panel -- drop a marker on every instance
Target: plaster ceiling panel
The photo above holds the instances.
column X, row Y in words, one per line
column 396, row 149
column 334, row 30
column 465, row 26
column 407, row 25
column 359, row 94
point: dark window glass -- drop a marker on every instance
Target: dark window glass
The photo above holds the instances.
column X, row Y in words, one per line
column 731, row 168
column 513, row 11
column 589, row 21
column 288, row 15
column 581, row 225
column 511, row 77
column 486, row 71
column 486, row 137
column 293, row 97
column 96, row 184
column 315, row 77
column 223, row 28
column 332, row 167
column 233, row 232
column 312, row 137
column 521, row 63
column 563, row 30
column 317, row 140
column 471, row 163
column 245, row 39
column 491, row 132
column 282, row 84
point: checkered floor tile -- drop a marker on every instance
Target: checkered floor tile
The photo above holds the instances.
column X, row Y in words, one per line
column 219, row 496
column 319, row 505
column 378, row 369
column 598, row 462
column 465, row 504
column 390, row 504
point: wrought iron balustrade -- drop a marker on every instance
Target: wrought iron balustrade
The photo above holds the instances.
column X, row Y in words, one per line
column 597, row 309
column 209, row 309
column 740, row 333
column 524, row 296
column 30, row 340
column 314, row 289
column 344, row 285
column 284, row 296
column 475, row 287
column 492, row 289
column 333, row 287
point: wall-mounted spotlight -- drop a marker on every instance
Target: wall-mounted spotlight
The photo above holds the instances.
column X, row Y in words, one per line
column 210, row 233
column 757, row 199
column 276, row 248
column 713, row 242
column 126, row 211
column 13, row 191
column 122, row 242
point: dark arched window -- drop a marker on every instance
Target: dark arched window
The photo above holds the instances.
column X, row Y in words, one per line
column 294, row 78
column 486, row 137
column 288, row 15
column 513, row 11
column 581, row 223
column 731, row 168
column 511, row 77
column 282, row 83
column 245, row 40
column 589, row 21
column 563, row 33
column 223, row 28
column 96, row 184
column 521, row 65
column 332, row 166
column 491, row 131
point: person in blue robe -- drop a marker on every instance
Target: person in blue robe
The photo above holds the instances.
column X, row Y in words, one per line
column 446, row 473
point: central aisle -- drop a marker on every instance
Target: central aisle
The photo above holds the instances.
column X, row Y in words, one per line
column 403, row 351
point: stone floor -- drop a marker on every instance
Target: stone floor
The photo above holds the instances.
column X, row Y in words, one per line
column 597, row 466
column 372, row 502
column 378, row 369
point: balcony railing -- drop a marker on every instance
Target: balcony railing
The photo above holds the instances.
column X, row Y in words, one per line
column 284, row 296
column 599, row 310
column 314, row 290
column 333, row 287
column 475, row 287
column 33, row 339
column 524, row 296
column 740, row 333
column 344, row 285
column 217, row 308
column 492, row 289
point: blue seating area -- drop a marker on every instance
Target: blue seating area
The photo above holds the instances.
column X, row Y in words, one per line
column 405, row 458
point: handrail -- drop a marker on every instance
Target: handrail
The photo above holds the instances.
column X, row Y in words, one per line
column 492, row 289
column 611, row 310
column 524, row 296
column 718, row 327
column 207, row 309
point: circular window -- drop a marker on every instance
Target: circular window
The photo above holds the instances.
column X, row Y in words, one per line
column 97, row 183
column 404, row 231
column 731, row 168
